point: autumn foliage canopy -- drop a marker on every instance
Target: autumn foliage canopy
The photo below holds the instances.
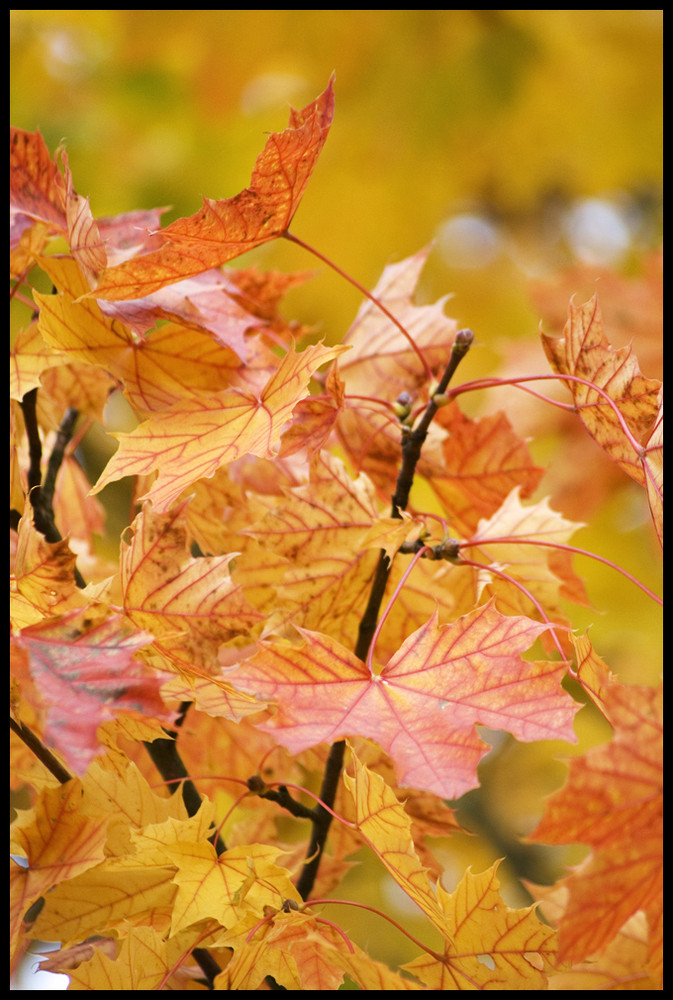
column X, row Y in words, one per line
column 331, row 577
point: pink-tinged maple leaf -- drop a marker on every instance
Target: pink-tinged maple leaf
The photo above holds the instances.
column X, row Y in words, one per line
column 423, row 706
column 204, row 302
column 223, row 229
column 86, row 244
column 382, row 364
column 382, row 361
column 84, row 668
column 193, row 439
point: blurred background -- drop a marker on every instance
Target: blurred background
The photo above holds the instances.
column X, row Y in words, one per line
column 524, row 145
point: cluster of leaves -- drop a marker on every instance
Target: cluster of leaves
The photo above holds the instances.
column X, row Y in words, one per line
column 287, row 623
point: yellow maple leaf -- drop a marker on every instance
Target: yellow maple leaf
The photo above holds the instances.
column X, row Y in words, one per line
column 142, row 964
column 196, row 437
column 386, row 827
column 44, row 574
column 62, row 836
column 486, row 945
column 315, row 534
column 223, row 888
column 492, row 947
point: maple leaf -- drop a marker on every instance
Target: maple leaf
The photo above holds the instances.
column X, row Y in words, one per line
column 29, row 357
column 114, row 784
column 423, row 706
column 485, row 944
column 293, row 948
column 131, row 888
column 584, row 352
column 504, row 541
column 44, row 575
column 37, row 190
column 382, row 362
column 192, row 439
column 60, row 837
column 224, row 229
column 382, row 365
column 483, row 460
column 86, row 244
column 167, row 591
column 301, row 951
column 142, row 964
column 157, row 371
column 225, row 887
column 653, row 465
column 202, row 303
column 492, row 947
column 386, row 827
column 621, row 965
column 612, row 801
column 316, row 529
column 84, row 667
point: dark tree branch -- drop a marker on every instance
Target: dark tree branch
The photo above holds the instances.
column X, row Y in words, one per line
column 412, row 444
column 42, row 494
column 41, row 751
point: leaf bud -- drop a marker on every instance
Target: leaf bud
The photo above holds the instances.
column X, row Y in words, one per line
column 464, row 338
column 402, row 406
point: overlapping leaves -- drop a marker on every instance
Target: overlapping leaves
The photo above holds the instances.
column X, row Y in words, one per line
column 241, row 584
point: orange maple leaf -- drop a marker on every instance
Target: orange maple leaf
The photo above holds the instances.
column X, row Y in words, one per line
column 484, row 459
column 612, row 801
column 167, row 591
column 224, row 229
column 584, row 352
column 37, row 191
column 422, row 708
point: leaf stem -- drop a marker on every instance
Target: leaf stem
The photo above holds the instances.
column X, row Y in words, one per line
column 491, row 383
column 413, row 441
column 398, row 588
column 481, row 543
column 524, row 590
column 367, row 294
